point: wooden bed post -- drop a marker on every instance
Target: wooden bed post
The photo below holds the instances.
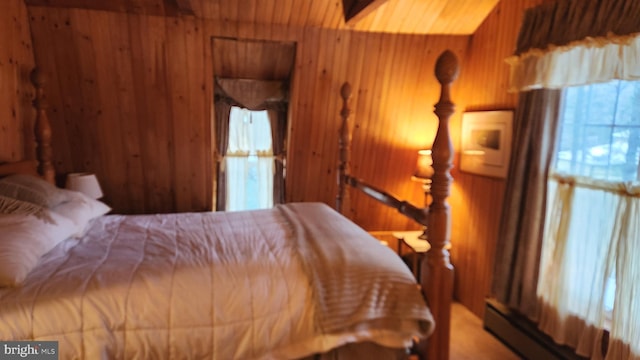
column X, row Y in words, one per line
column 344, row 146
column 42, row 129
column 437, row 271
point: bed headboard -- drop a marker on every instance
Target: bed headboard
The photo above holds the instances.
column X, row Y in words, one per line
column 19, row 167
column 42, row 165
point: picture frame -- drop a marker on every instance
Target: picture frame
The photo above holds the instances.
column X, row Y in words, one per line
column 486, row 142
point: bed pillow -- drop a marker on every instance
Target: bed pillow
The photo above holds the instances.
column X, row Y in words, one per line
column 32, row 189
column 81, row 210
column 22, row 193
column 10, row 205
column 24, row 239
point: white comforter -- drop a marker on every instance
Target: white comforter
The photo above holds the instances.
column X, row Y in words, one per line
column 240, row 285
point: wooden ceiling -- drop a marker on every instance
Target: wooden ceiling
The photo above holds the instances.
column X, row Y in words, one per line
column 454, row 17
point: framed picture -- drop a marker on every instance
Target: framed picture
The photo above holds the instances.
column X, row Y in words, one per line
column 486, row 142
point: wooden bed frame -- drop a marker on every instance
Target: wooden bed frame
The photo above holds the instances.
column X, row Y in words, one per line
column 436, row 269
column 42, row 165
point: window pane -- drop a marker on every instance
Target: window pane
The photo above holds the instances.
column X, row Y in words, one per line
column 600, row 131
column 601, row 103
column 249, row 161
column 628, row 108
column 249, row 132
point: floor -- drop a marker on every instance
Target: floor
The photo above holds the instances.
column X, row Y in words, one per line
column 470, row 341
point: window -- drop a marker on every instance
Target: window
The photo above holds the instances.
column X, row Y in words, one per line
column 592, row 223
column 599, row 139
column 249, row 161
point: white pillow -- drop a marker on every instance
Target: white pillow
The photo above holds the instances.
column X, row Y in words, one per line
column 24, row 239
column 32, row 189
column 81, row 209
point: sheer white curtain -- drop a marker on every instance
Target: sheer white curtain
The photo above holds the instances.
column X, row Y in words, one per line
column 589, row 258
column 249, row 161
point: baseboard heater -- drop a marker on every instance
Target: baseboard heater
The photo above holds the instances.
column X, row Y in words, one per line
column 521, row 335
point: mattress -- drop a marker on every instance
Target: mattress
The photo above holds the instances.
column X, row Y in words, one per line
column 281, row 283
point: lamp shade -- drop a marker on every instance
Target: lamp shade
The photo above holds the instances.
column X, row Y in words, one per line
column 424, row 170
column 85, row 183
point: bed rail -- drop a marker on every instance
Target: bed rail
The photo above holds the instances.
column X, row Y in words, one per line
column 419, row 215
column 436, row 269
column 344, row 167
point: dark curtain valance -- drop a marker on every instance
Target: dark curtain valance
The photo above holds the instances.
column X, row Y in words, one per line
column 576, row 42
column 564, row 21
column 252, row 94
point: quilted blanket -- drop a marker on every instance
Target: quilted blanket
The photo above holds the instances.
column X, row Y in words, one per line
column 281, row 283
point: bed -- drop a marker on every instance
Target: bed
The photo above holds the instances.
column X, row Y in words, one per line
column 299, row 281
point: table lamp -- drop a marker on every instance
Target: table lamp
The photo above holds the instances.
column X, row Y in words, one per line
column 85, row 183
column 423, row 174
column 424, row 170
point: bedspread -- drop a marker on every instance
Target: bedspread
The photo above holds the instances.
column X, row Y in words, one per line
column 279, row 283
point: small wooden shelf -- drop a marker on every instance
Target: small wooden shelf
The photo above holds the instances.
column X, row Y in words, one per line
column 416, row 246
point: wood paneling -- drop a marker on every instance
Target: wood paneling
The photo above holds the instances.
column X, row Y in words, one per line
column 16, row 92
column 453, row 17
column 393, row 95
column 476, row 201
column 131, row 99
column 118, row 82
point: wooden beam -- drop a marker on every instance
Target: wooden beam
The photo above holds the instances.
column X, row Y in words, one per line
column 78, row 4
column 182, row 7
column 155, row 7
column 355, row 10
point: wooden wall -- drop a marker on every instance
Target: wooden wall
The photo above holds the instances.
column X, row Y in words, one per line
column 131, row 101
column 16, row 92
column 476, row 201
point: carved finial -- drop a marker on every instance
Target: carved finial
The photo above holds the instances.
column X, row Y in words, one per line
column 447, row 68
column 345, row 91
